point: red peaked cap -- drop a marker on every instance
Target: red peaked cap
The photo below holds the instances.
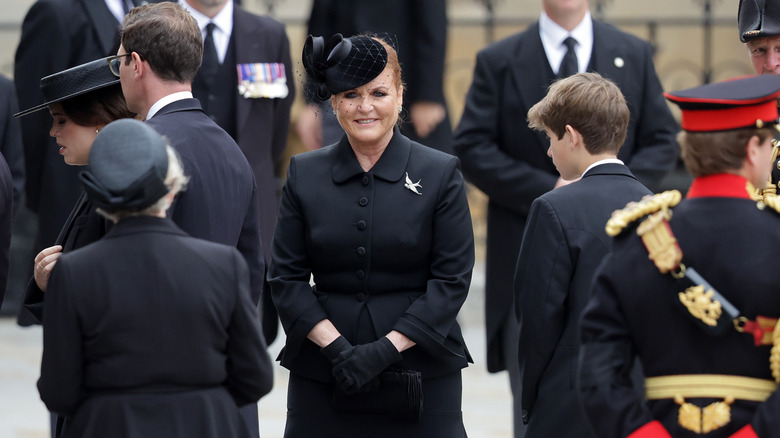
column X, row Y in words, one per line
column 749, row 101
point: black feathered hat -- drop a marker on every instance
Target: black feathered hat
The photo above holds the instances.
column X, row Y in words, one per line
column 74, row 82
column 128, row 163
column 758, row 18
column 341, row 64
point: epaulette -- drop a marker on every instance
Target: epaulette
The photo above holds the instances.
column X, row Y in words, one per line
column 772, row 202
column 636, row 210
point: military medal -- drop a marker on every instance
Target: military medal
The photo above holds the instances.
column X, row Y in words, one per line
column 263, row 79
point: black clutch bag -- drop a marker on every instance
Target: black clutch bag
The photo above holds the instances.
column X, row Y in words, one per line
column 399, row 394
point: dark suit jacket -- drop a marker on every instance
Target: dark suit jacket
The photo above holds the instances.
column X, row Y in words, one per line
column 148, row 329
column 6, row 221
column 382, row 257
column 263, row 124
column 420, row 27
column 220, row 203
column 56, row 35
column 635, row 310
column 508, row 161
column 564, row 242
column 11, row 137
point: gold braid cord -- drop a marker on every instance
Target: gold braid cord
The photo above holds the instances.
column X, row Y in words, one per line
column 774, row 356
column 770, row 190
column 636, row 210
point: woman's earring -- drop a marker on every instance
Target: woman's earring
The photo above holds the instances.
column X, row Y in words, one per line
column 97, row 131
column 400, row 108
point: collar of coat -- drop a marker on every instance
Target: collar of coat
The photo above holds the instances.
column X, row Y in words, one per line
column 390, row 167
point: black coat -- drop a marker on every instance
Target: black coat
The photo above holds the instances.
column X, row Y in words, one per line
column 221, row 200
column 262, row 125
column 11, row 137
column 420, row 31
column 375, row 249
column 508, row 161
column 564, row 243
column 635, row 310
column 150, row 329
column 56, row 35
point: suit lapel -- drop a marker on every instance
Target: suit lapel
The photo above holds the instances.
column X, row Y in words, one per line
column 81, row 204
column 608, row 58
column 103, row 23
column 532, row 73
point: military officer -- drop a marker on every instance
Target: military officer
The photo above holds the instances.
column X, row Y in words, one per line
column 693, row 295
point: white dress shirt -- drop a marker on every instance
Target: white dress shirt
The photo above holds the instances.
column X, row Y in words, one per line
column 224, row 26
column 553, row 36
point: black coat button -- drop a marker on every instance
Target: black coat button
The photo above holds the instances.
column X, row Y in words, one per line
column 365, row 180
column 360, row 274
column 361, row 251
column 363, row 201
column 361, row 296
column 361, row 225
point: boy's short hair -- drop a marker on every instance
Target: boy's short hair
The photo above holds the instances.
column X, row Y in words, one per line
column 589, row 103
column 708, row 153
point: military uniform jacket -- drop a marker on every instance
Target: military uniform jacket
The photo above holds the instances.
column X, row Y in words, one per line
column 150, row 329
column 636, row 310
column 564, row 242
column 383, row 256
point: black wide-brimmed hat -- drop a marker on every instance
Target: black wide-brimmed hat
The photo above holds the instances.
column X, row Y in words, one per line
column 744, row 102
column 758, row 18
column 341, row 64
column 128, row 163
column 73, row 82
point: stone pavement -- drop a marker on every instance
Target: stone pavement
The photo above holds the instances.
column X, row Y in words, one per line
column 486, row 398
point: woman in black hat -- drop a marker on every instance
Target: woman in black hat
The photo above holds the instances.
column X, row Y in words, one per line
column 149, row 332
column 82, row 100
column 382, row 225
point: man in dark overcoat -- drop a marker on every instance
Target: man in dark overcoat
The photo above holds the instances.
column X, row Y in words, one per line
column 249, row 94
column 507, row 161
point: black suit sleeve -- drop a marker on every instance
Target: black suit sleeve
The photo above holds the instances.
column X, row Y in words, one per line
column 251, row 247
column 426, row 74
column 511, row 183
column 541, row 286
column 11, row 137
column 281, row 119
column 249, row 369
column 44, row 48
column 655, row 148
column 62, row 372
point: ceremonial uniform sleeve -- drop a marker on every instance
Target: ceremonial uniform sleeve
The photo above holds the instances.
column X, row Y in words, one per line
column 613, row 407
column 430, row 318
column 541, row 286
column 510, row 183
column 290, row 270
column 61, row 383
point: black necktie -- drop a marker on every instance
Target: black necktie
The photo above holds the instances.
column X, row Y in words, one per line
column 210, row 64
column 569, row 65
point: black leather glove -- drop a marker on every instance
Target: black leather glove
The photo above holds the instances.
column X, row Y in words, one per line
column 366, row 362
column 338, row 350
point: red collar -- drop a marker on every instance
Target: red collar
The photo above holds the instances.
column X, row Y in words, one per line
column 721, row 185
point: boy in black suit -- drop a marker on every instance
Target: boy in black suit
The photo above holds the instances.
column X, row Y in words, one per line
column 585, row 117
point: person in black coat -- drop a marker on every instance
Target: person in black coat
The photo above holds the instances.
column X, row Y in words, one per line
column 222, row 203
column 252, row 106
column 418, row 29
column 585, row 116
column 149, row 332
column 691, row 290
column 382, row 227
column 507, row 161
column 81, row 101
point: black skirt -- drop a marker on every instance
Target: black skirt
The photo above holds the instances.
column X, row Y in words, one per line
column 310, row 413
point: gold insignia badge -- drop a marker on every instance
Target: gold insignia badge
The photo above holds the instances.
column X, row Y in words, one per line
column 704, row 420
column 701, row 304
column 661, row 244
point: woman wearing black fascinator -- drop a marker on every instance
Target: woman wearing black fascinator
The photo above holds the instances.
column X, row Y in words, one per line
column 381, row 226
